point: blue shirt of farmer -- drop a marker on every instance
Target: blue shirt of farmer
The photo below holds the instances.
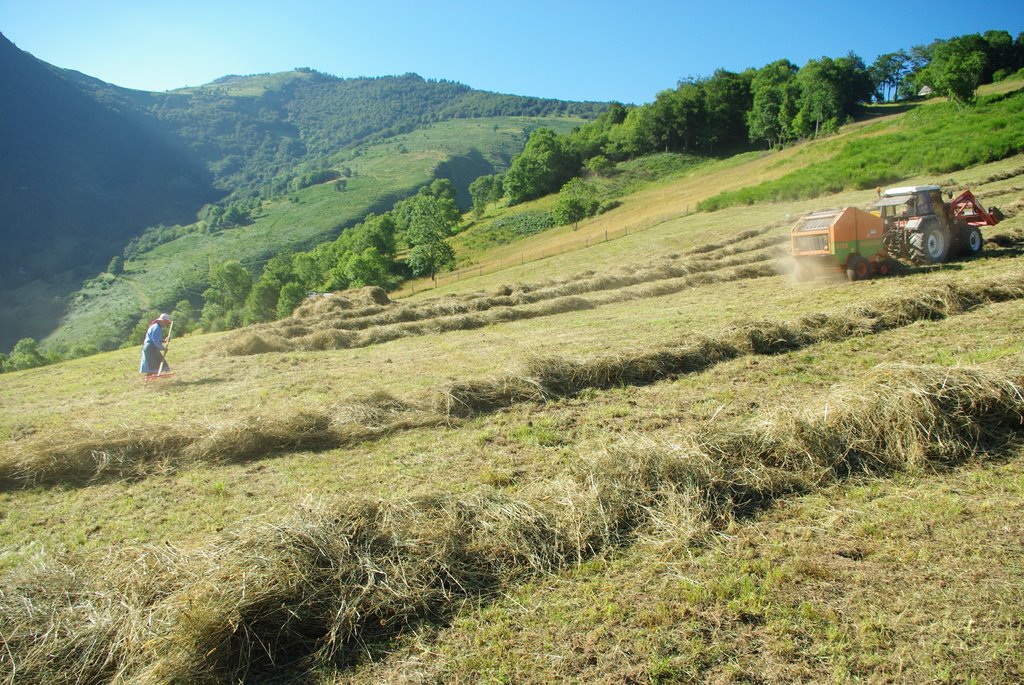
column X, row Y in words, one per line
column 152, row 347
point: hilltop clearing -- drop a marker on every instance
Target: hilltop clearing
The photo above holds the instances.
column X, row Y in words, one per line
column 652, row 458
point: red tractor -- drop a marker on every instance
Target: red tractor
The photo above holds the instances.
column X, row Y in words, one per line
column 922, row 229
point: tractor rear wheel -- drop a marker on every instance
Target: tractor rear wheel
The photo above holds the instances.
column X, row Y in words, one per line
column 858, row 268
column 913, row 247
column 936, row 242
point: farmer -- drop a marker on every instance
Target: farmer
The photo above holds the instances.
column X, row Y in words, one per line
column 153, row 347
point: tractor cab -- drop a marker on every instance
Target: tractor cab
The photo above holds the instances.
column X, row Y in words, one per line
column 898, row 206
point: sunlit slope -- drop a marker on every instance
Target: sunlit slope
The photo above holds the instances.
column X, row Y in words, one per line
column 582, row 445
column 843, row 158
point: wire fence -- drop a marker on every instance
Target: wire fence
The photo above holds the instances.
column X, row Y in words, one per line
column 569, row 245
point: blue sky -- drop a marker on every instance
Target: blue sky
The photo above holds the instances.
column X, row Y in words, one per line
column 600, row 50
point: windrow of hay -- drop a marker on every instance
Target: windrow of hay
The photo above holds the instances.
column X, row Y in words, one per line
column 319, row 323
column 740, row 238
column 405, row 322
column 319, row 589
column 553, row 377
column 357, row 299
column 82, row 457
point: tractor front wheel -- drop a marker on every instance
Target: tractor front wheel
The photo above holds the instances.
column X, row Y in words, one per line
column 858, row 268
column 972, row 240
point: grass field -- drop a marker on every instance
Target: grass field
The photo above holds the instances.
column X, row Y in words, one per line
column 653, row 459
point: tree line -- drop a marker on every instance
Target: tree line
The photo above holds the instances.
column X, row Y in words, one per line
column 364, row 255
column 771, row 106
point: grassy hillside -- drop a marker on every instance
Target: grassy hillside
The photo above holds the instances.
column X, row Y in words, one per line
column 105, row 310
column 650, row 459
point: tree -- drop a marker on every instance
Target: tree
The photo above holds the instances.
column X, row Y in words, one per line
column 230, row 284
column 116, row 266
column 184, row 316
column 429, row 226
column 24, row 355
column 854, row 83
column 440, row 195
column 625, row 140
column 592, row 138
column 887, row 72
column 279, row 267
column 1000, row 55
column 368, row 268
column 542, row 167
column 483, row 191
column 292, row 295
column 726, row 102
column 376, row 231
column 261, row 303
column 918, row 59
column 821, row 101
column 599, row 165
column 307, row 270
column 774, row 104
column 956, row 68
column 675, row 121
column 576, row 201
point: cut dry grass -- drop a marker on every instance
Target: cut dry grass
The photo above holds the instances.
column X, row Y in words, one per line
column 554, row 377
column 330, row 322
column 83, row 456
column 317, row 590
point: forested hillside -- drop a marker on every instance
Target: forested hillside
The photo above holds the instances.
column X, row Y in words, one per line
column 261, row 133
column 80, row 175
column 87, row 166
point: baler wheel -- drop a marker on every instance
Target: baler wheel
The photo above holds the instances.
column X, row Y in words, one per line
column 858, row 268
